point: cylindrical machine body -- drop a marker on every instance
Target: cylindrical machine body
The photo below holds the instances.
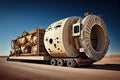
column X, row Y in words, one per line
column 58, row 38
column 65, row 39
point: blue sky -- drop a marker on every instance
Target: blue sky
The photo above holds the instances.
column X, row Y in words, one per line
column 17, row 16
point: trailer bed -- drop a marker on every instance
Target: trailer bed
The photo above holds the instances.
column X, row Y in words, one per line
column 30, row 58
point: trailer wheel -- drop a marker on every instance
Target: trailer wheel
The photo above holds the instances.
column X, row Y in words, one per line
column 60, row 62
column 53, row 62
column 71, row 63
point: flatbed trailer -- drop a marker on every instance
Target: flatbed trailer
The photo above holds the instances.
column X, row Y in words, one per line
column 70, row 62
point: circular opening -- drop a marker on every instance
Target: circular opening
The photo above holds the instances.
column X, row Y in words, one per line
column 46, row 39
column 97, row 38
column 59, row 62
column 51, row 41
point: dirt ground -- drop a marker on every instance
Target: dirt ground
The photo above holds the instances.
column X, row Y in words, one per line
column 106, row 69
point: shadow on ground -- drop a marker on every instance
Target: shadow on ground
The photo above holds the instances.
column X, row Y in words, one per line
column 115, row 67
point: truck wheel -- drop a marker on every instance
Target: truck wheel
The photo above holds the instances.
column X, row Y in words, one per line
column 60, row 62
column 53, row 62
column 71, row 63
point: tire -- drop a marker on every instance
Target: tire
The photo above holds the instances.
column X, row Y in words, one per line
column 53, row 62
column 71, row 63
column 60, row 62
